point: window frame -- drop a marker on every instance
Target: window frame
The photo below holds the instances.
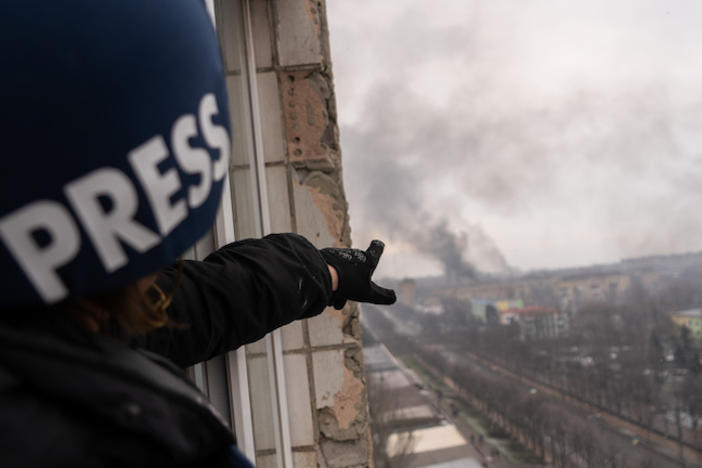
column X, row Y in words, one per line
column 235, row 362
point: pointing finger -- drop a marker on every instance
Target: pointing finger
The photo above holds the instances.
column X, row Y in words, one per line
column 374, row 251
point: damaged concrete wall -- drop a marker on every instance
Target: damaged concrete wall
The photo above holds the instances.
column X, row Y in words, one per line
column 323, row 357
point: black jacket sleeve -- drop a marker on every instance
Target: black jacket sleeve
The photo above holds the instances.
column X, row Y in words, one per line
column 237, row 295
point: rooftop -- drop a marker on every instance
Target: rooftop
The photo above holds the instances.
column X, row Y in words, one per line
column 695, row 313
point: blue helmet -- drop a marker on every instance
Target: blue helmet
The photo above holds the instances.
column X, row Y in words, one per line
column 115, row 142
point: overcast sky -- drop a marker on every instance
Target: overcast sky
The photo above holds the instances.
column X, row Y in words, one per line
column 557, row 133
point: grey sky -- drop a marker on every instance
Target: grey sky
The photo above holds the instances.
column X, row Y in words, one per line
column 561, row 133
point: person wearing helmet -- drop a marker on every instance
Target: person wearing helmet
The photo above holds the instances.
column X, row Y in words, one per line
column 115, row 149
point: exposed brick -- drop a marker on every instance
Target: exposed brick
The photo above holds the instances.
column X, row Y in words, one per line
column 329, row 198
column 304, row 459
column 329, row 376
column 329, row 426
column 352, row 323
column 312, row 137
column 345, row 454
column 354, row 361
column 310, row 220
column 320, row 192
column 340, row 396
column 301, row 139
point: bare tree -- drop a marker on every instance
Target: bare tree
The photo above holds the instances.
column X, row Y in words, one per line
column 385, row 422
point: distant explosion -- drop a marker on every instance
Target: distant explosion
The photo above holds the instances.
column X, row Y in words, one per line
column 447, row 247
column 461, row 253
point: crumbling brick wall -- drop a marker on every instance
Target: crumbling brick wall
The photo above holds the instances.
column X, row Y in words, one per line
column 323, row 359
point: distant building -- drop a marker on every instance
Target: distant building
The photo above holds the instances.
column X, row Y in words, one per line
column 533, row 321
column 670, row 265
column 536, row 322
column 575, row 290
column 692, row 319
column 543, row 322
column 488, row 310
column 567, row 289
column 431, row 305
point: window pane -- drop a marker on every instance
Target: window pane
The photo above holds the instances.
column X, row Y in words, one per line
column 247, row 204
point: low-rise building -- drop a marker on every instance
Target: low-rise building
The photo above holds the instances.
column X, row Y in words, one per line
column 581, row 288
column 491, row 310
column 536, row 321
column 691, row 319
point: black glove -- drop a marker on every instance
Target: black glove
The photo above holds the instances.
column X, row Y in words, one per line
column 355, row 268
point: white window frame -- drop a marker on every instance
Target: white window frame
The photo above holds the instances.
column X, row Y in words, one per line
column 224, row 233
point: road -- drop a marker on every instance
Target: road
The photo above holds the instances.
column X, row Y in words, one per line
column 440, row 439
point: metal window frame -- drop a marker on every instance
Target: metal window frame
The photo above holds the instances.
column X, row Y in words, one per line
column 236, row 364
column 274, row 341
column 235, row 361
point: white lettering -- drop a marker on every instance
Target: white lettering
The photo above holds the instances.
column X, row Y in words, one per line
column 192, row 160
column 215, row 135
column 40, row 263
column 105, row 228
column 159, row 187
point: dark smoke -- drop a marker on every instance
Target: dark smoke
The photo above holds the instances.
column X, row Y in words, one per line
column 618, row 163
column 393, row 192
column 447, row 247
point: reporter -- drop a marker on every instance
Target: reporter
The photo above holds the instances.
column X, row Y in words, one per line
column 113, row 165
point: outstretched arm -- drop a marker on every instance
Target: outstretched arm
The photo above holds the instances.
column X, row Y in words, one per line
column 238, row 294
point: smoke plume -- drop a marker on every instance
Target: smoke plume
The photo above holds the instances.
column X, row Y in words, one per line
column 447, row 247
column 456, row 140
